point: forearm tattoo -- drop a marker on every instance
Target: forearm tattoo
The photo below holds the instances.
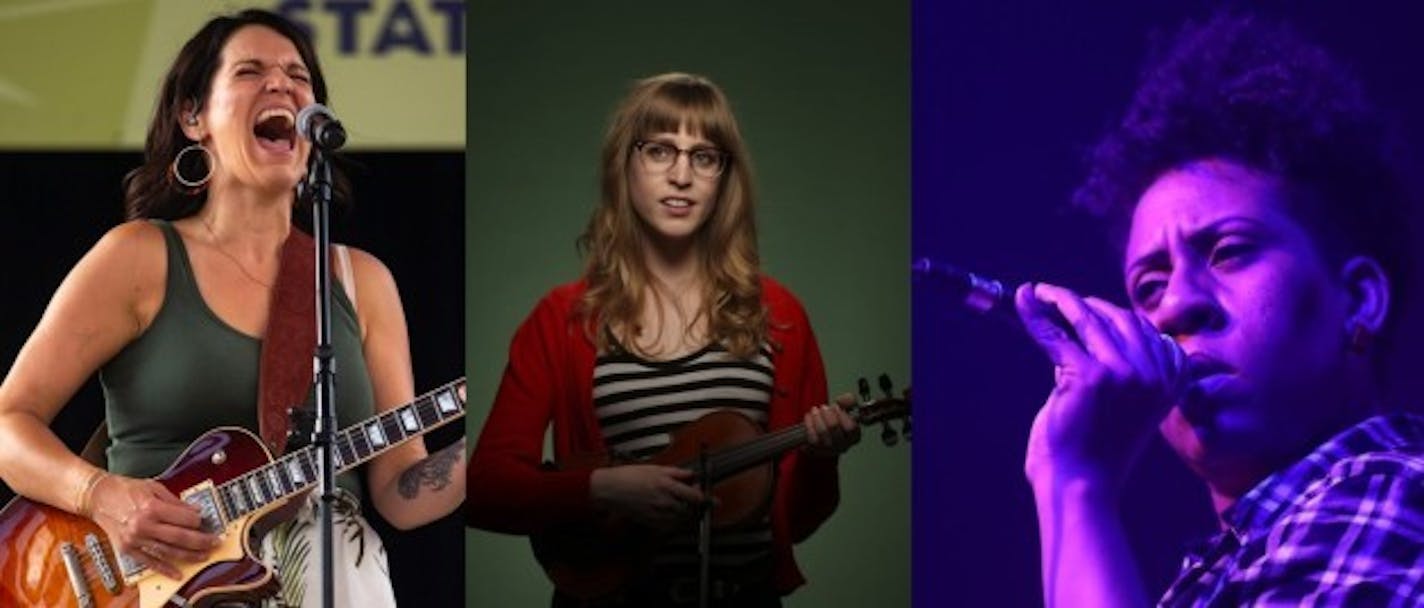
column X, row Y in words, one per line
column 432, row 472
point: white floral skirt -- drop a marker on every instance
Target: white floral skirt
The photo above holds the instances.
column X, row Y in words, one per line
column 292, row 550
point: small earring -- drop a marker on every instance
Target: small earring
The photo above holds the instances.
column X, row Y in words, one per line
column 1360, row 338
column 192, row 120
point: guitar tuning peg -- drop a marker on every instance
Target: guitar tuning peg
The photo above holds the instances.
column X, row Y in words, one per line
column 886, row 386
column 863, row 388
column 888, row 436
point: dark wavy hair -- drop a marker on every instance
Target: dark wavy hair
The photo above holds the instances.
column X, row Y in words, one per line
column 1239, row 88
column 149, row 190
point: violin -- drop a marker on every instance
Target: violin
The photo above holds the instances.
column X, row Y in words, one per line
column 728, row 453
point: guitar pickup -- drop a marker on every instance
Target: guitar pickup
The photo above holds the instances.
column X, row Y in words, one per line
column 204, row 497
column 101, row 562
column 77, row 581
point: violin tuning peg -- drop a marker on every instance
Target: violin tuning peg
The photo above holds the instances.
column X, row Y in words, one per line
column 888, row 436
column 905, row 429
column 886, row 386
column 863, row 387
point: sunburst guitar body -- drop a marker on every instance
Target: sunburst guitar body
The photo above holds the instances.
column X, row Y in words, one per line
column 55, row 559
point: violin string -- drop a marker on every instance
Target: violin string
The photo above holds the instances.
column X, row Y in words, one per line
column 756, row 449
column 748, row 453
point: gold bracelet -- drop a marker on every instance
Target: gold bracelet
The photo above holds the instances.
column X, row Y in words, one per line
column 86, row 493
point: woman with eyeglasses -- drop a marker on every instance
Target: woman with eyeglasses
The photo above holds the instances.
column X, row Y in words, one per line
column 671, row 320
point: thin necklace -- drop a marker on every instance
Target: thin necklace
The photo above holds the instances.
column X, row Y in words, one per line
column 233, row 258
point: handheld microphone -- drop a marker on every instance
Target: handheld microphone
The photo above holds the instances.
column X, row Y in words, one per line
column 317, row 124
column 987, row 296
column 977, row 293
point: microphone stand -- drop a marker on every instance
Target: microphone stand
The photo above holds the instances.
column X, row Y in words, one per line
column 318, row 190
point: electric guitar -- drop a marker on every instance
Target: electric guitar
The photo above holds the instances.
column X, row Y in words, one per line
column 592, row 558
column 53, row 558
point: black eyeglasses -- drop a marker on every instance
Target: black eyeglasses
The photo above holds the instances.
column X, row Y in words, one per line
column 707, row 163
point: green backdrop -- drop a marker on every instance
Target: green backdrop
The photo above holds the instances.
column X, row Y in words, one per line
column 822, row 94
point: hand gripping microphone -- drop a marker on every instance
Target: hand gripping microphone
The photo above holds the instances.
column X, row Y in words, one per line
column 988, row 296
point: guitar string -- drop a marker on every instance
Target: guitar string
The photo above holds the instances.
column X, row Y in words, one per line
column 415, row 403
column 427, row 399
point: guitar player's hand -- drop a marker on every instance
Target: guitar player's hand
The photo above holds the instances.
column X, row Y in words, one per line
column 657, row 496
column 149, row 524
column 830, row 431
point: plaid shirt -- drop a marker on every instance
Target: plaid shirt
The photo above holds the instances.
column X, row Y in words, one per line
column 1343, row 527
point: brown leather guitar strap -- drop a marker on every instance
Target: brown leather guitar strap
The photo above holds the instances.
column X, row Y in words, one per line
column 285, row 370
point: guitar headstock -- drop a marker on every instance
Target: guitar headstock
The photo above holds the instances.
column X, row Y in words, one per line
column 884, row 410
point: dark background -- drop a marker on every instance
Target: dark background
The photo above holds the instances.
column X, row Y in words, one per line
column 1007, row 96
column 409, row 212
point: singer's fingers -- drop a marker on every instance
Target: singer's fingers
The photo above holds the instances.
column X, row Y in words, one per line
column 1037, row 318
column 1153, row 357
column 1138, row 349
column 1095, row 334
column 1172, row 358
column 1167, row 358
column 1159, row 346
column 1119, row 323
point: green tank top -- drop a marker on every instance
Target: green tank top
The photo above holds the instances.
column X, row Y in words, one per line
column 191, row 372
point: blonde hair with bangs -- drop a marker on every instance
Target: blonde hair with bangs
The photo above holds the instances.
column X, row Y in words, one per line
column 613, row 243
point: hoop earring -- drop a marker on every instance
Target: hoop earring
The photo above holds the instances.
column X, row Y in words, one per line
column 191, row 185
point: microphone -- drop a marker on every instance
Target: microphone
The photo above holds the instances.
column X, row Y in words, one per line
column 977, row 293
column 987, row 296
column 316, row 123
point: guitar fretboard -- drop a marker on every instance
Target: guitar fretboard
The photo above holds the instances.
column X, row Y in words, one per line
column 355, row 444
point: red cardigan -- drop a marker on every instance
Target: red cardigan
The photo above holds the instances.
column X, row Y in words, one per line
column 549, row 378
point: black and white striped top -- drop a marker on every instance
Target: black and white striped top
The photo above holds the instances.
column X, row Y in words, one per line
column 639, row 403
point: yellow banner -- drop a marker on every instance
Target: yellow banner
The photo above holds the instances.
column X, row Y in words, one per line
column 84, row 74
